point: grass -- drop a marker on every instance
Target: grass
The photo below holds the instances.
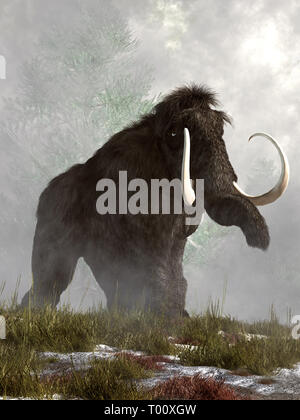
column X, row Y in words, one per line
column 259, row 356
column 104, row 380
column 31, row 332
column 66, row 331
column 18, row 371
column 20, row 376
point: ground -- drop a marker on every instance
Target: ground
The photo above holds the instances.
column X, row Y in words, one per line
column 55, row 354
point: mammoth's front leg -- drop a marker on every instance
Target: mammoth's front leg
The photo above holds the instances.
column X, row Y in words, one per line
column 168, row 284
column 167, row 296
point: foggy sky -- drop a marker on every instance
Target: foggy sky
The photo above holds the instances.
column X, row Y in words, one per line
column 249, row 53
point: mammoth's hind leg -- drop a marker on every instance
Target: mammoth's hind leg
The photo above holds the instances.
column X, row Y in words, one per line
column 53, row 266
column 103, row 277
column 121, row 282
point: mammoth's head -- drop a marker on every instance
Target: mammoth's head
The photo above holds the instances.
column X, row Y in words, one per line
column 190, row 131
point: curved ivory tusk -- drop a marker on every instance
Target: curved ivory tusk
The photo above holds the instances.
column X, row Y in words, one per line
column 282, row 184
column 188, row 193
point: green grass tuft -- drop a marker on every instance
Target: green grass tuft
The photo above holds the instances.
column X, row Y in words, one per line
column 66, row 331
column 104, row 380
column 259, row 356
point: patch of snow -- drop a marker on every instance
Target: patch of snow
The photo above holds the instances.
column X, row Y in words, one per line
column 247, row 337
column 66, row 362
column 55, row 397
column 14, row 399
column 186, row 347
column 250, row 337
column 284, row 381
column 103, row 347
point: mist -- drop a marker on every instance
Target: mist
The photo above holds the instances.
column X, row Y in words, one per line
column 247, row 53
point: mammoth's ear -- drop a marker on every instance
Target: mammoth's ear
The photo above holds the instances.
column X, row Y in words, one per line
column 164, row 118
column 174, row 139
column 167, row 129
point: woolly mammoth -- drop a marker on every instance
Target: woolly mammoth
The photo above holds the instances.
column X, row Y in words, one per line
column 138, row 258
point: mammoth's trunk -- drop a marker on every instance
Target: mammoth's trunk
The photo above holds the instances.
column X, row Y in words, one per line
column 234, row 210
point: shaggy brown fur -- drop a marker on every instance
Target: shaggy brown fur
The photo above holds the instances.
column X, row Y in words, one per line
column 139, row 258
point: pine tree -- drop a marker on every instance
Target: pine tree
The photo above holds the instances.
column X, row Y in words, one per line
column 84, row 84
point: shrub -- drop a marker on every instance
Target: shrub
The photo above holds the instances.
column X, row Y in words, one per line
column 194, row 388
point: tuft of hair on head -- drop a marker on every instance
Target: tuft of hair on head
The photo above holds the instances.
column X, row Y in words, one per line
column 192, row 95
column 187, row 97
